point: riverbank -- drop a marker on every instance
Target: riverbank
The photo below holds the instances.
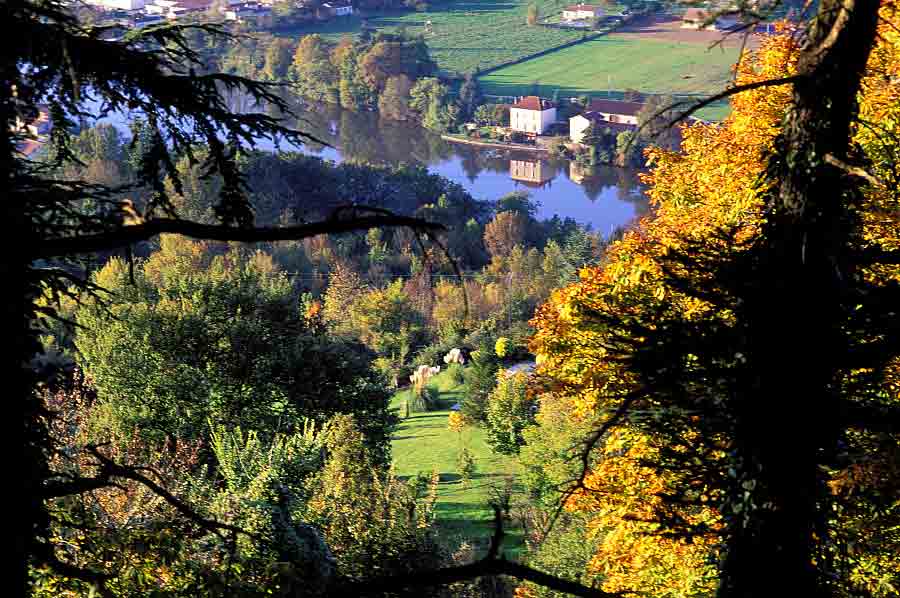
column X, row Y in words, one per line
column 519, row 147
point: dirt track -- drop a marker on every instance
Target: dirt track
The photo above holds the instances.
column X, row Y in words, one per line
column 668, row 28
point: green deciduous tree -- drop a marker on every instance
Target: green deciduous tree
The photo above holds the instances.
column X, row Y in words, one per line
column 386, row 320
column 470, row 97
column 313, row 72
column 376, row 524
column 429, row 97
column 218, row 338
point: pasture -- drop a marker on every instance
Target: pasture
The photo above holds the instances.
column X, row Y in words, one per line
column 423, row 442
column 465, row 34
column 615, row 62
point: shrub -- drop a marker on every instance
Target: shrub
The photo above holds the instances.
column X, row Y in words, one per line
column 501, row 346
column 466, row 466
column 423, row 399
column 480, row 378
column 456, row 421
column 455, row 372
column 508, row 412
column 374, row 523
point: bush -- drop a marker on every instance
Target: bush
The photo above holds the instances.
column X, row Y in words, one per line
column 435, row 352
column 456, row 374
column 509, row 410
column 466, row 466
column 374, row 523
column 456, row 422
column 517, row 137
column 480, row 378
column 423, row 399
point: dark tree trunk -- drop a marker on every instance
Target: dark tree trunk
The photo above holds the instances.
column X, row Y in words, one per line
column 19, row 344
column 789, row 408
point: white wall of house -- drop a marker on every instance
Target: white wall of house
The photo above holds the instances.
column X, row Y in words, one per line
column 531, row 121
column 339, row 11
column 577, row 127
column 580, row 14
column 119, row 4
column 626, row 119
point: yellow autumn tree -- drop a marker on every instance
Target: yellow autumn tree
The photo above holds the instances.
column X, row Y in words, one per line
column 709, row 201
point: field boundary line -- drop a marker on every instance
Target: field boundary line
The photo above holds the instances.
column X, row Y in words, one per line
column 574, row 42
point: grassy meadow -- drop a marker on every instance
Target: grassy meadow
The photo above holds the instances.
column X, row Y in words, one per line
column 423, row 442
column 466, row 34
column 617, row 62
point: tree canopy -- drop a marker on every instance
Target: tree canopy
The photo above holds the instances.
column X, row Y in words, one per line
column 735, row 355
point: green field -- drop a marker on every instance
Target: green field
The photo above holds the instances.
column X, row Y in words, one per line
column 617, row 63
column 424, row 443
column 466, row 34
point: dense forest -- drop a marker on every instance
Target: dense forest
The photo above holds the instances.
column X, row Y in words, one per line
column 210, row 341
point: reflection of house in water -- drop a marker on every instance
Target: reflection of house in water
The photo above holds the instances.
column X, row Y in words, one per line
column 577, row 172
column 532, row 173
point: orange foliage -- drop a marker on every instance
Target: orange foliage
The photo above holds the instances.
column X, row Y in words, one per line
column 711, row 184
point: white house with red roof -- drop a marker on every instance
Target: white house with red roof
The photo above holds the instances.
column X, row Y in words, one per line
column 617, row 111
column 532, row 115
column 118, row 4
column 582, row 12
column 615, row 115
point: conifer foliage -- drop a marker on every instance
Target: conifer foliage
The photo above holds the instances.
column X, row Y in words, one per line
column 48, row 58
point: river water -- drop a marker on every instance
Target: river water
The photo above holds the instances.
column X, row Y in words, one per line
column 605, row 198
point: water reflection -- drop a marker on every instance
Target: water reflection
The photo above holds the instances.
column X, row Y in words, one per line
column 604, row 197
column 532, row 173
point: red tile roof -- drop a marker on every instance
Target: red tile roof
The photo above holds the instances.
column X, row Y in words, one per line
column 615, row 107
column 598, row 120
column 534, row 103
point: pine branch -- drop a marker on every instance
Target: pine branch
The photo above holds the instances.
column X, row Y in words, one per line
column 874, row 418
column 110, row 469
column 128, row 235
column 494, row 563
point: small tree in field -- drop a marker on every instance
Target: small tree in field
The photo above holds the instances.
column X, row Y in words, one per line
column 533, row 15
column 466, row 466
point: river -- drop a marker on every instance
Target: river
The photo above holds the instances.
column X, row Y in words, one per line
column 604, row 198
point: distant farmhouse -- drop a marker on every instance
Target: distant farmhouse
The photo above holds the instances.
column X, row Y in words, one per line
column 151, row 12
column 249, row 13
column 698, row 18
column 338, row 8
column 119, row 4
column 582, row 12
column 608, row 114
column 532, row 115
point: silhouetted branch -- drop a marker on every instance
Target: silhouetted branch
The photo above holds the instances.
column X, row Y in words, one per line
column 852, row 170
column 110, row 469
column 874, row 418
column 706, row 102
column 142, row 232
column 494, row 563
column 726, row 94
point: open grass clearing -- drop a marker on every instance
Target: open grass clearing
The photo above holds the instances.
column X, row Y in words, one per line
column 423, row 443
column 614, row 62
column 466, row 34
